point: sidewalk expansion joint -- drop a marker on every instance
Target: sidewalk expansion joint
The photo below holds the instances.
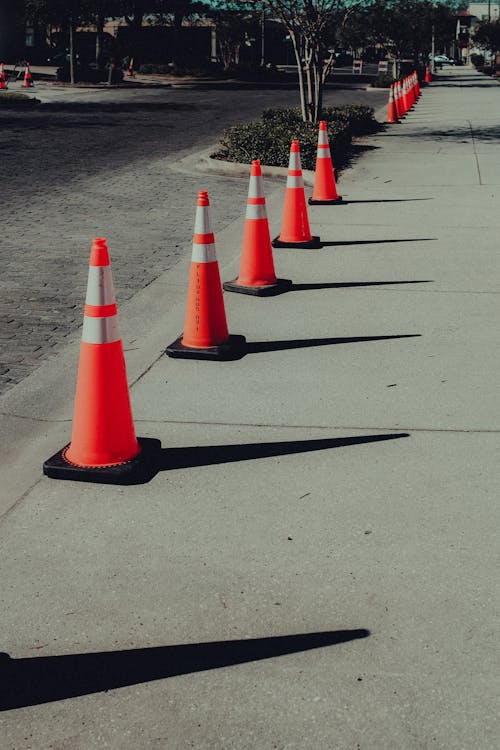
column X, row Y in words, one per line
column 282, row 425
column 474, row 151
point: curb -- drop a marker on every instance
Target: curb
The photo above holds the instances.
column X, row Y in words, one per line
column 205, row 163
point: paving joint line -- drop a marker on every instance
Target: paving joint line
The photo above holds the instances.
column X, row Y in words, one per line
column 474, row 151
column 270, row 425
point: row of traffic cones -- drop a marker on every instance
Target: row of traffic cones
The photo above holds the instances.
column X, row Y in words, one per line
column 104, row 447
column 27, row 81
column 402, row 96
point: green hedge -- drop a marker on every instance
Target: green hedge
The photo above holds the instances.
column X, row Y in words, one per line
column 269, row 139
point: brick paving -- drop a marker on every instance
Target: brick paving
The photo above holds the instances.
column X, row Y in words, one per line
column 72, row 172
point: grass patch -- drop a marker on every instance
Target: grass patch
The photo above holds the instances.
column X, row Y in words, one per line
column 16, row 100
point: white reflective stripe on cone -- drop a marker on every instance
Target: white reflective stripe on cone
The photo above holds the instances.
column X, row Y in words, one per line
column 100, row 286
column 295, row 182
column 203, row 253
column 294, row 162
column 100, row 330
column 323, row 153
column 256, row 186
column 322, row 138
column 202, row 221
column 256, row 211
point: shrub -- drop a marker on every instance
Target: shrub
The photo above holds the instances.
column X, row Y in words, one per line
column 488, row 70
column 382, row 81
column 477, row 59
column 269, row 139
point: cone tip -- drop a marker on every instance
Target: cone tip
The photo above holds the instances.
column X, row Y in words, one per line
column 322, row 124
column 294, row 148
column 99, row 255
column 203, row 198
column 256, row 170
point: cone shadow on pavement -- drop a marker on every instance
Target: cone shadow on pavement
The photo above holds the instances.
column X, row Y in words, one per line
column 42, row 679
column 209, row 455
column 350, row 284
column 258, row 347
column 384, row 200
column 377, row 242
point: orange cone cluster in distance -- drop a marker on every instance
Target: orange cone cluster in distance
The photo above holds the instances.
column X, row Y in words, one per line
column 28, row 80
column 402, row 97
column 205, row 334
column 257, row 275
column 295, row 231
column 325, row 188
column 103, row 446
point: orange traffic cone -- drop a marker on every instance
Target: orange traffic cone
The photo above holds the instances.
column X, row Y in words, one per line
column 28, row 81
column 408, row 94
column 257, row 275
column 392, row 114
column 205, row 333
column 130, row 71
column 295, row 231
column 3, row 79
column 325, row 188
column 417, row 84
column 103, row 445
column 398, row 99
column 411, row 90
column 428, row 74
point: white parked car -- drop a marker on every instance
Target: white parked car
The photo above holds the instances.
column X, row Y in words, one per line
column 443, row 60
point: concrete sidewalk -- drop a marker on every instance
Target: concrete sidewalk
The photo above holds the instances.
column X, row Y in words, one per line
column 315, row 566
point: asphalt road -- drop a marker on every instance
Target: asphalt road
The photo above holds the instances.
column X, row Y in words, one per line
column 97, row 163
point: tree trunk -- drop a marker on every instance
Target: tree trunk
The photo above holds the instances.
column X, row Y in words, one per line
column 71, row 53
column 300, row 74
column 99, row 39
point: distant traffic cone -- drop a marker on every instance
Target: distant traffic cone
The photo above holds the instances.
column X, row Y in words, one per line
column 103, row 445
column 28, row 81
column 392, row 114
column 406, row 97
column 325, row 188
column 3, row 79
column 295, row 231
column 428, row 74
column 257, row 275
column 130, row 71
column 411, row 90
column 205, row 333
column 398, row 99
column 417, row 84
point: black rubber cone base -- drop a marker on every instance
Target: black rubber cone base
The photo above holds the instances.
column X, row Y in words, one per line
column 233, row 348
column 138, row 470
column 269, row 290
column 332, row 202
column 313, row 244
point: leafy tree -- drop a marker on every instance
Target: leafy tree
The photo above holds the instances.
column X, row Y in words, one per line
column 404, row 27
column 176, row 12
column 311, row 27
column 235, row 22
column 68, row 14
column 487, row 36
